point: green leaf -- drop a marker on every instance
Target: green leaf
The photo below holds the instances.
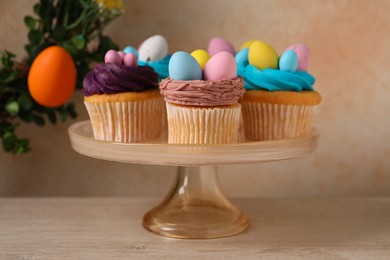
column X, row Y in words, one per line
column 63, row 115
column 39, row 120
column 9, row 139
column 59, row 33
column 35, row 36
column 37, row 9
column 10, row 77
column 71, row 48
column 25, row 101
column 52, row 116
column 12, row 108
column 30, row 22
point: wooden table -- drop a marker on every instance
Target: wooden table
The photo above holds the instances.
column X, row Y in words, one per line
column 110, row 228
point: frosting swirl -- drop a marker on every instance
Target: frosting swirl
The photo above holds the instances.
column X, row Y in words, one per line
column 110, row 78
column 159, row 66
column 274, row 79
column 201, row 92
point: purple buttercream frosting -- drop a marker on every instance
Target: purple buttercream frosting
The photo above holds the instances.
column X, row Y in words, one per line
column 110, row 78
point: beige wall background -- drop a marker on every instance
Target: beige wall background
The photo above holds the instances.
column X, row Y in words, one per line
column 350, row 46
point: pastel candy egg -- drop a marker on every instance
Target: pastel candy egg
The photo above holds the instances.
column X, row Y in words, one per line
column 218, row 44
column 201, row 56
column 247, row 44
column 112, row 57
column 131, row 49
column 130, row 60
column 263, row 56
column 242, row 56
column 303, row 53
column 153, row 48
column 220, row 66
column 121, row 54
column 288, row 61
column 182, row 66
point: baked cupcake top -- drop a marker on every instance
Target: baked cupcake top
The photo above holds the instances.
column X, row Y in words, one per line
column 119, row 74
column 262, row 68
column 200, row 80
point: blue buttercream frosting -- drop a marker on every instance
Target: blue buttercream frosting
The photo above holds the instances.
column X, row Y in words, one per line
column 272, row 79
column 159, row 66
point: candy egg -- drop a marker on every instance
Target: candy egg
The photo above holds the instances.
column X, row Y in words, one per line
column 247, row 44
column 121, row 54
column 288, row 61
column 303, row 53
column 52, row 77
column 112, row 57
column 201, row 56
column 218, row 44
column 242, row 56
column 153, row 48
column 221, row 66
column 263, row 56
column 130, row 60
column 131, row 49
column 182, row 66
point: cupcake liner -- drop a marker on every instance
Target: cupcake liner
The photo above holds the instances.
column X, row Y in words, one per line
column 128, row 122
column 264, row 121
column 200, row 125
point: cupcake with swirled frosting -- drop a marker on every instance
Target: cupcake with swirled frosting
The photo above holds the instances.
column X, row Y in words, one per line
column 280, row 100
column 202, row 99
column 123, row 100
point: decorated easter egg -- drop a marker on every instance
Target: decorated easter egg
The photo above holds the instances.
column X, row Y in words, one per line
column 303, row 53
column 220, row 66
column 182, row 66
column 201, row 56
column 113, row 57
column 130, row 60
column 153, row 48
column 288, row 61
column 218, row 44
column 131, row 49
column 52, row 77
column 247, row 44
column 242, row 56
column 263, row 56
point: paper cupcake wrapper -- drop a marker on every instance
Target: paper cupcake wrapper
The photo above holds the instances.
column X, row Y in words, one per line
column 126, row 122
column 276, row 121
column 193, row 125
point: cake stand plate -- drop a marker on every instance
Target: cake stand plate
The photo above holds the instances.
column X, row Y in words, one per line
column 195, row 207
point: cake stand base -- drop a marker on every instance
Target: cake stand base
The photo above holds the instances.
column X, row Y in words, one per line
column 196, row 208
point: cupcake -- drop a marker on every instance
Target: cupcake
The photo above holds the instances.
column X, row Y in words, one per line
column 123, row 100
column 279, row 101
column 202, row 108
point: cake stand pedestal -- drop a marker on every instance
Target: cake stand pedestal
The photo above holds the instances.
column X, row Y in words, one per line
column 195, row 207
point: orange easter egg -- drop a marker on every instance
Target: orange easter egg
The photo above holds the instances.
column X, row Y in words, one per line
column 52, row 77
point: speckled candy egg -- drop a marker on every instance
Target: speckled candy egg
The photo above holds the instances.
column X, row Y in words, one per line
column 131, row 49
column 288, row 61
column 201, row 56
column 220, row 66
column 153, row 48
column 303, row 53
column 182, row 66
column 263, row 56
column 218, row 44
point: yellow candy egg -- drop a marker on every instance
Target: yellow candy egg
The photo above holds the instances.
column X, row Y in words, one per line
column 263, row 56
column 201, row 56
column 247, row 44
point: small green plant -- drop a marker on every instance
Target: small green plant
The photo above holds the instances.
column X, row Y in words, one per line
column 76, row 25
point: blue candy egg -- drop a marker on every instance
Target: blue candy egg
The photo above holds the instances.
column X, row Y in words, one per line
column 182, row 66
column 288, row 61
column 242, row 56
column 131, row 49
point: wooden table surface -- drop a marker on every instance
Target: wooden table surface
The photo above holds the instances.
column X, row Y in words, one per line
column 110, row 228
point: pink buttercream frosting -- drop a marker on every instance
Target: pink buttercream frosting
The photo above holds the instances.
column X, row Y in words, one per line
column 202, row 92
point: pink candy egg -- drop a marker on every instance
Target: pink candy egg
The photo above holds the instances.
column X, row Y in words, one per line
column 303, row 54
column 130, row 60
column 220, row 66
column 218, row 44
column 112, row 57
column 121, row 54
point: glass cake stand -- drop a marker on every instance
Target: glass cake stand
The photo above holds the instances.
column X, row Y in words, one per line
column 195, row 207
